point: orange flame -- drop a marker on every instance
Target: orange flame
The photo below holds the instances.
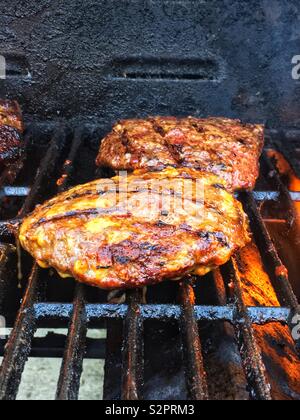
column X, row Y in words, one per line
column 275, row 341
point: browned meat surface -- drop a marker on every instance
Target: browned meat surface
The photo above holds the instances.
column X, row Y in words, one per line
column 224, row 147
column 11, row 130
column 138, row 230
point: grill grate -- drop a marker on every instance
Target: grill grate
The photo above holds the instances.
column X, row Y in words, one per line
column 134, row 313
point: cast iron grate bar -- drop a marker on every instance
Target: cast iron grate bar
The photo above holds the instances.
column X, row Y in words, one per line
column 132, row 366
column 165, row 313
column 71, row 368
column 278, row 273
column 282, row 189
column 254, row 367
column 19, row 343
column 44, row 172
column 274, row 266
column 195, row 372
column 18, row 347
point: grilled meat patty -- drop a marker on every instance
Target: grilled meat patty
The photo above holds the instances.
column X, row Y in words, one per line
column 11, row 130
column 222, row 146
column 138, row 230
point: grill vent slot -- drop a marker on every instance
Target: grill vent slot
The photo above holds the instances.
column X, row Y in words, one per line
column 14, row 66
column 168, row 69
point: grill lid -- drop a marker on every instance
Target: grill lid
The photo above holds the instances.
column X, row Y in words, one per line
column 127, row 59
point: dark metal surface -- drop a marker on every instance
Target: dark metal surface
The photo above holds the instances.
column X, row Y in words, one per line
column 52, row 346
column 112, row 59
column 195, row 373
column 6, row 250
column 269, row 254
column 17, row 349
column 133, row 362
column 71, row 369
column 165, row 313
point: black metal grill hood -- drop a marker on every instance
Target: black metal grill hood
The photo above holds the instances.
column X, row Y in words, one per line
column 110, row 59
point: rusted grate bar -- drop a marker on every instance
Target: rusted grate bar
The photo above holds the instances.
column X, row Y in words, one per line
column 278, row 273
column 195, row 373
column 254, row 368
column 18, row 347
column 71, row 368
column 45, row 171
column 132, row 367
column 19, row 344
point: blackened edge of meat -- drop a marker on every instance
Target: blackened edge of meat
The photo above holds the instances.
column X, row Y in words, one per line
column 11, row 144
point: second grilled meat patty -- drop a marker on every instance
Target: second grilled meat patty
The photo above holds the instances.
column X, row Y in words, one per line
column 11, row 131
column 227, row 148
column 138, row 230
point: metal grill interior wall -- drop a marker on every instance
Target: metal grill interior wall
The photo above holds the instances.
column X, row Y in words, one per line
column 110, row 59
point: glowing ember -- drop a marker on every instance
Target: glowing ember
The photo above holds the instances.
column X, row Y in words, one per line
column 277, row 346
column 287, row 238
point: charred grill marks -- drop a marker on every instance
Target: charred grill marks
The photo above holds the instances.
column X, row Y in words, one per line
column 219, row 186
column 212, row 236
column 224, row 147
column 114, row 249
column 69, row 215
